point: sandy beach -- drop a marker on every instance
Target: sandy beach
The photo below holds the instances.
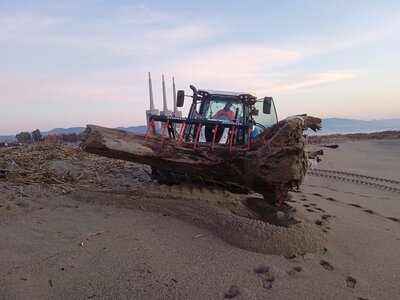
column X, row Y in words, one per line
column 102, row 229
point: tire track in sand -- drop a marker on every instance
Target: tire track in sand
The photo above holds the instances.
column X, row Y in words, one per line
column 375, row 182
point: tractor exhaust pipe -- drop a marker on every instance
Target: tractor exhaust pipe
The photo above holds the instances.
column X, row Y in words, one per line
column 193, row 88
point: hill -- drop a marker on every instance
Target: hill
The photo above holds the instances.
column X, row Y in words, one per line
column 64, row 130
column 136, row 129
column 77, row 130
column 7, row 138
column 344, row 126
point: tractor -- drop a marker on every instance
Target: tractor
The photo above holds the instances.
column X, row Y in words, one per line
column 230, row 118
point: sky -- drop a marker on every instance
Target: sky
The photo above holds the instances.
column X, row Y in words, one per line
column 72, row 63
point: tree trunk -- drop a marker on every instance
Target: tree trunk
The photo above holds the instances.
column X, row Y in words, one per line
column 275, row 163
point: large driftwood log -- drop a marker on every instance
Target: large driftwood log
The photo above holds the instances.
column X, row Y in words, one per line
column 276, row 162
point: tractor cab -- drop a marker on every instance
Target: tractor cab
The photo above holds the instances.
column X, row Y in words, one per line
column 242, row 109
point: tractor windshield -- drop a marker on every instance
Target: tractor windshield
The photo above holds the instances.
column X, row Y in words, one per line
column 222, row 109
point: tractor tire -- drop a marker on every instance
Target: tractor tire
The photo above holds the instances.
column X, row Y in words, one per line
column 163, row 176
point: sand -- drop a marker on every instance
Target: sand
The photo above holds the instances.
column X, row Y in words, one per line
column 116, row 234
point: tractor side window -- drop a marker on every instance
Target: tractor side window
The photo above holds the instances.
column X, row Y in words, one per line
column 267, row 120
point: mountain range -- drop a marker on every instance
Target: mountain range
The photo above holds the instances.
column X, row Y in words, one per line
column 329, row 126
column 137, row 129
column 343, row 126
column 77, row 130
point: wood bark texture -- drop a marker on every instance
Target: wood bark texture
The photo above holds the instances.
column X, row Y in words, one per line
column 275, row 163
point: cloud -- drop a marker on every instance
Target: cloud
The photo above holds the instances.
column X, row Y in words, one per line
column 131, row 32
column 314, row 79
column 251, row 68
column 140, row 14
column 45, row 90
column 235, row 65
column 25, row 25
column 356, row 35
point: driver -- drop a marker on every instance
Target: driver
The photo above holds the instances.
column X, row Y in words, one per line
column 225, row 114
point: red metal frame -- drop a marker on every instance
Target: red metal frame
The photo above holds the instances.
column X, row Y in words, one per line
column 163, row 133
column 213, row 140
column 232, row 134
column 180, row 133
column 200, row 125
column 148, row 129
column 197, row 135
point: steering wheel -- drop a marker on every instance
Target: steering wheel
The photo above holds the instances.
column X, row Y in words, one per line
column 261, row 126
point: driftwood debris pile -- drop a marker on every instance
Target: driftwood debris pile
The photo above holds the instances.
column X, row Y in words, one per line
column 30, row 164
column 63, row 168
column 276, row 162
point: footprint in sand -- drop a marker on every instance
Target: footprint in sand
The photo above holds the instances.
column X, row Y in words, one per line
column 331, row 199
column 295, row 270
column 369, row 211
column 350, row 282
column 270, row 275
column 326, row 229
column 355, row 205
column 393, row 219
column 326, row 265
column 316, row 194
column 267, row 284
column 232, row 293
column 310, row 210
column 318, row 222
column 261, row 269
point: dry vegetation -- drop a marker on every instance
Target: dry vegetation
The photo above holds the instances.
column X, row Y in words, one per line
column 29, row 175
column 57, row 165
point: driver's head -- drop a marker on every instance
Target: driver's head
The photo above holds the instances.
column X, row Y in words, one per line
column 228, row 106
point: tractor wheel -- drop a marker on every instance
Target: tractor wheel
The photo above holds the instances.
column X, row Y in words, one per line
column 163, row 176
